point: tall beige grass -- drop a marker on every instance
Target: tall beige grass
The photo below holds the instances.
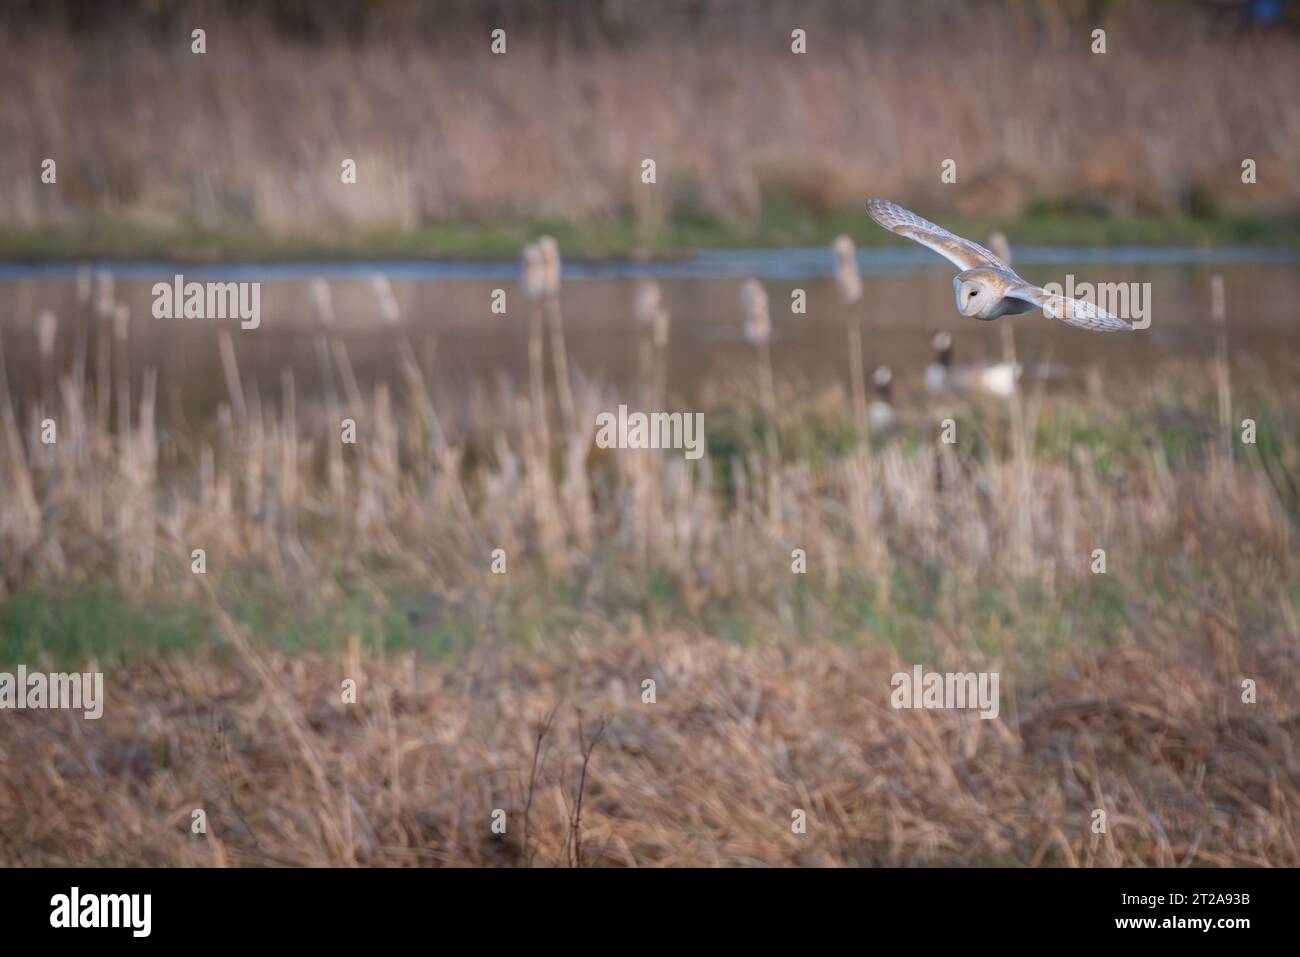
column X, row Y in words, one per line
column 551, row 269
column 884, row 97
column 850, row 286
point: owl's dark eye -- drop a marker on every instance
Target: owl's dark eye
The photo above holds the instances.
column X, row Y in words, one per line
column 972, row 292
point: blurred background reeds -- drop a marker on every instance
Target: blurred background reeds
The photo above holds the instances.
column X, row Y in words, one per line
column 238, row 151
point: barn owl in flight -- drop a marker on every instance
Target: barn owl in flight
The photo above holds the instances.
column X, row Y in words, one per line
column 986, row 288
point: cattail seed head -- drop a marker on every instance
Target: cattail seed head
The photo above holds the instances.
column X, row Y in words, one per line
column 104, row 292
column 534, row 272
column 999, row 247
column 1218, row 301
column 661, row 328
column 47, row 325
column 846, row 269
column 758, row 324
column 550, row 251
column 389, row 311
column 648, row 301
column 85, row 280
column 322, row 301
column 121, row 321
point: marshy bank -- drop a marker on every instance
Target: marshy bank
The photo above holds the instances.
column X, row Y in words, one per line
column 712, row 773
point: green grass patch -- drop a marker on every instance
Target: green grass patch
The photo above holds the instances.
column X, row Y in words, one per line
column 779, row 223
column 69, row 627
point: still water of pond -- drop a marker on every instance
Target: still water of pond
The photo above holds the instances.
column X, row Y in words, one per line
column 447, row 309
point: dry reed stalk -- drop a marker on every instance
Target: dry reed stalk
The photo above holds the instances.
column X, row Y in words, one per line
column 651, row 321
column 1031, row 418
column 660, row 333
column 1022, row 531
column 999, row 247
column 410, row 367
column 1222, row 380
column 381, row 474
column 224, row 484
column 652, row 316
column 230, row 369
column 122, row 369
column 534, row 283
column 386, row 301
column 323, row 307
column 541, row 729
column 287, row 486
column 343, row 360
column 551, row 270
column 585, row 750
column 391, row 313
column 850, row 285
column 138, row 467
column 576, row 492
column 384, row 450
column 758, row 331
column 323, row 311
column 1022, row 497
column 174, row 382
column 76, row 430
column 255, row 454
column 47, row 328
column 207, row 478
column 20, row 477
column 647, row 308
column 82, row 324
column 103, row 315
column 547, row 516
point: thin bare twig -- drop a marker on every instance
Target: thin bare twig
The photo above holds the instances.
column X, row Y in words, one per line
column 541, row 730
column 585, row 748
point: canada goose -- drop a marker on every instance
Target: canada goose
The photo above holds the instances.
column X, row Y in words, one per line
column 942, row 377
column 986, row 288
column 881, row 415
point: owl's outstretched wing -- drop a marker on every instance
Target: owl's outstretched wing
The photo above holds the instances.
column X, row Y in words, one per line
column 960, row 252
column 1076, row 312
